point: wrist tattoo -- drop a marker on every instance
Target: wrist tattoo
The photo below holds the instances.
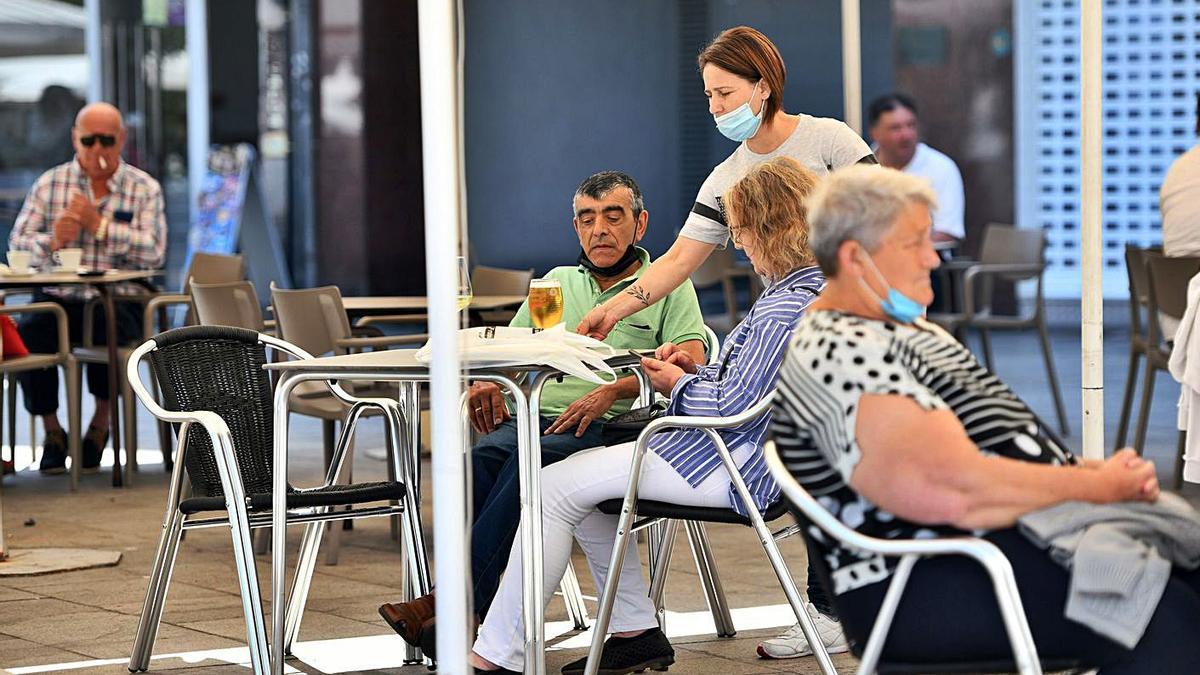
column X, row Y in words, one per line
column 639, row 293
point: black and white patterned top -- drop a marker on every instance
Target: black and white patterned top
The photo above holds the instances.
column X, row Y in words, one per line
column 834, row 359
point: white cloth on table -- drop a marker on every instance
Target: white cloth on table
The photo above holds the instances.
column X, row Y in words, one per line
column 1185, row 368
column 571, row 489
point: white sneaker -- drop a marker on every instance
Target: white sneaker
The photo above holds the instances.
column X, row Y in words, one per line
column 793, row 644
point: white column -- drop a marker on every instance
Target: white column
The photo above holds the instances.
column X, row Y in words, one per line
column 441, row 139
column 852, row 65
column 196, row 43
column 94, row 51
column 1092, row 198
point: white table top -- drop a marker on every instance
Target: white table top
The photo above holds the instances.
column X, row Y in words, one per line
column 70, row 278
column 402, row 361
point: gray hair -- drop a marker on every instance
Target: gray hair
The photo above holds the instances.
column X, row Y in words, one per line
column 599, row 184
column 860, row 203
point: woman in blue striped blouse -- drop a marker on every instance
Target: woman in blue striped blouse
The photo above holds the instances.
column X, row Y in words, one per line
column 766, row 213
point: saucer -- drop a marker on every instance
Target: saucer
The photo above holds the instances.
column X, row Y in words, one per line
column 10, row 272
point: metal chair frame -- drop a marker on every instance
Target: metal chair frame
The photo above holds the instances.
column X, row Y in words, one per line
column 981, row 276
column 910, row 551
column 626, row 524
column 241, row 522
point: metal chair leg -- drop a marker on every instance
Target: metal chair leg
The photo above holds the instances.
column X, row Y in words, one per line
column 706, row 567
column 1127, row 399
column 573, row 599
column 1143, row 419
column 660, row 569
column 1048, row 354
column 306, row 563
column 986, row 341
column 72, row 372
column 156, row 593
column 160, row 575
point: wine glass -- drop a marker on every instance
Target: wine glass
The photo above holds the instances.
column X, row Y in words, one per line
column 545, row 303
column 465, row 294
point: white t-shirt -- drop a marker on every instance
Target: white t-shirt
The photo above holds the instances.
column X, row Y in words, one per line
column 942, row 173
column 819, row 144
column 1179, row 200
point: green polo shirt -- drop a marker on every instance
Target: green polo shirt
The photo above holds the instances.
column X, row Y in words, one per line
column 676, row 318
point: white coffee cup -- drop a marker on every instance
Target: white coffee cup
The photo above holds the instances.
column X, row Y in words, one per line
column 19, row 261
column 68, row 258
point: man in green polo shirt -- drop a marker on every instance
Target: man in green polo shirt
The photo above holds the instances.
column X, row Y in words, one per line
column 609, row 219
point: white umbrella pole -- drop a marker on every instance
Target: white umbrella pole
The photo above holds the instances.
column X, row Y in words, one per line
column 441, row 138
column 1092, row 196
column 852, row 65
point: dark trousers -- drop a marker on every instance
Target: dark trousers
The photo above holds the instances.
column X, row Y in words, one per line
column 40, row 333
column 948, row 613
column 496, row 493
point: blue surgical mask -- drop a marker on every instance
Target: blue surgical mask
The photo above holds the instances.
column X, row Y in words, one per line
column 740, row 124
column 898, row 306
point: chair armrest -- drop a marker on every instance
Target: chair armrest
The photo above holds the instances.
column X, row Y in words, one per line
column 60, row 318
column 157, row 302
column 1021, row 270
column 390, row 318
column 381, row 341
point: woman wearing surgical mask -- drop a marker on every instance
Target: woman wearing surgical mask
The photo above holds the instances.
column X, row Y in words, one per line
column 743, row 77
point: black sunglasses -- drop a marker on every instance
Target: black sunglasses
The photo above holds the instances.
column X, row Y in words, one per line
column 105, row 140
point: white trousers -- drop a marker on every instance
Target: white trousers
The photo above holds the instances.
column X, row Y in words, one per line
column 571, row 489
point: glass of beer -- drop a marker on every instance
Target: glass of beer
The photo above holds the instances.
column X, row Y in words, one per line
column 465, row 294
column 545, row 303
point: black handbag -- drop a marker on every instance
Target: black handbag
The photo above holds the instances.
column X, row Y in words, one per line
column 626, row 426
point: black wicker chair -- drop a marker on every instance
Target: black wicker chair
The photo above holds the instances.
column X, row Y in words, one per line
column 215, row 390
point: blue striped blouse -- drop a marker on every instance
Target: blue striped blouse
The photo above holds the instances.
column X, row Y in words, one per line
column 747, row 369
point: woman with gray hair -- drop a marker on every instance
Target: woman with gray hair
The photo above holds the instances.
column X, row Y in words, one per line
column 896, row 429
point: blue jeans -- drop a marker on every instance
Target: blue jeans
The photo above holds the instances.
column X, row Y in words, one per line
column 496, row 497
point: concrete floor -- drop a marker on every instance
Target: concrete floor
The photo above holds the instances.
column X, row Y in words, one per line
column 85, row 621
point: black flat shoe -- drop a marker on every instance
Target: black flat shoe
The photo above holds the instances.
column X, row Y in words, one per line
column 54, row 452
column 650, row 650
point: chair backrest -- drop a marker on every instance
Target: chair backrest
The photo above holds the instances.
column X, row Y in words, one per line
column 1139, row 287
column 1005, row 244
column 232, row 303
column 1168, row 281
column 313, row 319
column 219, row 369
column 213, row 268
column 714, row 345
column 498, row 281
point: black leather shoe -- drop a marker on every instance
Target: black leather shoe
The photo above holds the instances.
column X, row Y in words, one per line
column 93, row 447
column 650, row 650
column 54, row 452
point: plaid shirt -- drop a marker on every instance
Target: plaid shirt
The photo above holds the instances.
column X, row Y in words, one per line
column 137, row 229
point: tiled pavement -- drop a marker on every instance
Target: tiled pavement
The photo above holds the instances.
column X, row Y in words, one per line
column 85, row 621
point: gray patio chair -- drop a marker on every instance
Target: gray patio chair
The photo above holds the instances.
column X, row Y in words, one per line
column 1166, row 291
column 215, row 389
column 1009, row 254
column 62, row 358
column 205, row 268
column 814, row 519
column 649, row 510
column 722, row 267
column 1139, row 303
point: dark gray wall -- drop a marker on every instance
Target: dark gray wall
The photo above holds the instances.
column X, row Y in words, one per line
column 557, row 90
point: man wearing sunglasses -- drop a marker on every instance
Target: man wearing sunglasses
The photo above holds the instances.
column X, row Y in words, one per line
column 114, row 213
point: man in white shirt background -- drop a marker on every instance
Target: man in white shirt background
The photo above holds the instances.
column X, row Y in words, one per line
column 892, row 121
column 1179, row 201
